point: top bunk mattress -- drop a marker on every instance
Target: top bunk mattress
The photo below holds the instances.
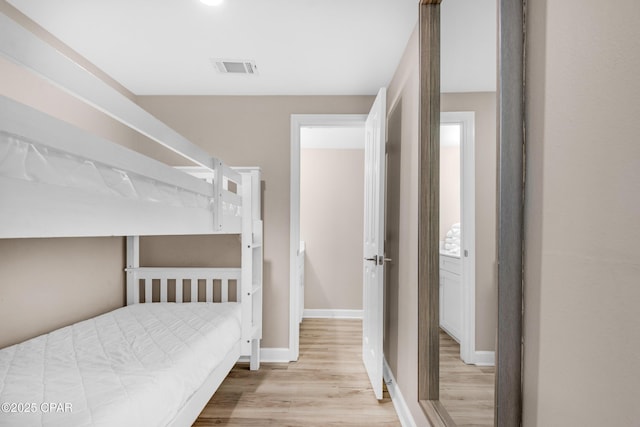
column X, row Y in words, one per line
column 134, row 366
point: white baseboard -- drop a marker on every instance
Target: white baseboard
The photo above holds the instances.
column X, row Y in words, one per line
column 485, row 358
column 271, row 355
column 309, row 313
column 406, row 419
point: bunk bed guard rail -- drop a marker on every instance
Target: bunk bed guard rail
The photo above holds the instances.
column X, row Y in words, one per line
column 77, row 184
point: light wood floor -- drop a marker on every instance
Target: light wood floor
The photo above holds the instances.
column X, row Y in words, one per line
column 327, row 386
column 466, row 391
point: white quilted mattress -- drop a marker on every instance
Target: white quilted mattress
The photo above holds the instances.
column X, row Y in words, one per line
column 135, row 366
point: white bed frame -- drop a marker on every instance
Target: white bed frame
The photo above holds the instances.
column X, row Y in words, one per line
column 73, row 201
column 140, row 289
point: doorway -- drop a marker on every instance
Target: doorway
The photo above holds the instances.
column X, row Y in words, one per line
column 457, row 237
column 296, row 290
column 331, row 221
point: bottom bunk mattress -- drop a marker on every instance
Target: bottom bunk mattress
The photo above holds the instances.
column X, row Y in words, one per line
column 134, row 366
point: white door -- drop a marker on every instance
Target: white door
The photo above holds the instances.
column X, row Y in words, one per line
column 374, row 182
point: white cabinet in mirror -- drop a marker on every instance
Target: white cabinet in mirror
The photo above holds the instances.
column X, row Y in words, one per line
column 451, row 295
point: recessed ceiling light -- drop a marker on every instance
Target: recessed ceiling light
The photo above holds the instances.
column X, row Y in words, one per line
column 212, row 2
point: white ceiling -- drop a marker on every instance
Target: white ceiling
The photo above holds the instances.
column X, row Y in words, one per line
column 301, row 47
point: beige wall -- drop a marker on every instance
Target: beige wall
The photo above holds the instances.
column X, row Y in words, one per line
column 255, row 131
column 50, row 283
column 483, row 104
column 331, row 224
column 582, row 278
column 219, row 251
column 449, row 188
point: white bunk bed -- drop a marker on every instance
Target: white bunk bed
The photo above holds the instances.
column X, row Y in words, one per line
column 59, row 181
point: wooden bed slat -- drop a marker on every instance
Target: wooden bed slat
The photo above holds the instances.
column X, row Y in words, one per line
column 163, row 290
column 194, row 289
column 179, row 290
column 224, row 292
column 209, row 290
column 148, row 291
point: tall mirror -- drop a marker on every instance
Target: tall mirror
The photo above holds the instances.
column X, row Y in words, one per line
column 467, row 239
column 470, row 211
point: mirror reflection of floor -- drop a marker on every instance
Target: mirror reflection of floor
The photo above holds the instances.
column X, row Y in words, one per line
column 466, row 391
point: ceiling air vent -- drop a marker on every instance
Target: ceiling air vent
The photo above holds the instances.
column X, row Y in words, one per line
column 230, row 66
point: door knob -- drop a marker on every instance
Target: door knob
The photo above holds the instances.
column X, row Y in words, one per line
column 387, row 260
column 374, row 259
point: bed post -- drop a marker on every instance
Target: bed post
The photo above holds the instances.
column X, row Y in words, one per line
column 254, row 360
column 218, row 185
column 251, row 265
column 133, row 261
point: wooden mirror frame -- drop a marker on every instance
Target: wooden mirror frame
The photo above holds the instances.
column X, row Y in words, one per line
column 510, row 202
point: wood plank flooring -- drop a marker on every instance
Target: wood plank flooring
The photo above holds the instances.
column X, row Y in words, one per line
column 327, row 386
column 466, row 391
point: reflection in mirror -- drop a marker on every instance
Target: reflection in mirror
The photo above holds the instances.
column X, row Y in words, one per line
column 466, row 377
column 468, row 291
